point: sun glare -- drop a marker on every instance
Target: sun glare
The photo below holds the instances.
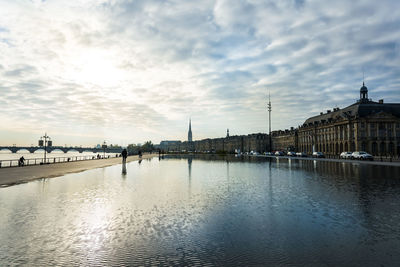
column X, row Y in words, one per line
column 96, row 67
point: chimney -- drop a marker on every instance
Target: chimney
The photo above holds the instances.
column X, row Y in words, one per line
column 380, row 101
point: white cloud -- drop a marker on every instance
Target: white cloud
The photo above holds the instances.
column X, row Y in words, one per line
column 136, row 70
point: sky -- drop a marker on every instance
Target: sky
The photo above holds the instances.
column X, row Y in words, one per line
column 128, row 71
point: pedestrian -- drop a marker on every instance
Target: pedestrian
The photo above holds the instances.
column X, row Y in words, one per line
column 21, row 161
column 140, row 154
column 124, row 155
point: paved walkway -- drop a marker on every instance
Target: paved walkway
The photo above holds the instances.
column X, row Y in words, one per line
column 17, row 175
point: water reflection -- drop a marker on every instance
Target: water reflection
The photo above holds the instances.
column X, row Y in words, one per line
column 189, row 161
column 206, row 211
column 124, row 168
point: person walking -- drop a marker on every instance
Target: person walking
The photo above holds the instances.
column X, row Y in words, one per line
column 21, row 161
column 124, row 155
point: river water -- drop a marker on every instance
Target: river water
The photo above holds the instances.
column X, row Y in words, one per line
column 206, row 211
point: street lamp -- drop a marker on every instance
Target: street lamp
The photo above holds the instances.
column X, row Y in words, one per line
column 104, row 146
column 45, row 141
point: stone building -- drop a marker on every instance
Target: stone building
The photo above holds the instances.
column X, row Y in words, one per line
column 366, row 125
column 173, row 145
column 286, row 140
column 245, row 143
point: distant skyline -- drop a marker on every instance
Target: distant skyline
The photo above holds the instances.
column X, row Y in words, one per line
column 86, row 71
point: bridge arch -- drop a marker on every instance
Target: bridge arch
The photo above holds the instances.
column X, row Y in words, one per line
column 22, row 150
column 5, row 150
column 71, row 150
column 57, row 150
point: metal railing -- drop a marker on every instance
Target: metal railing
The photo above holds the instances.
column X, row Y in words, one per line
column 40, row 161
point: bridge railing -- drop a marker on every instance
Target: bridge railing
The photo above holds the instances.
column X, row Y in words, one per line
column 40, row 161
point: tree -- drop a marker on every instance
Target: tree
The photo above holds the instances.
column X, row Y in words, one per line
column 147, row 147
column 134, row 149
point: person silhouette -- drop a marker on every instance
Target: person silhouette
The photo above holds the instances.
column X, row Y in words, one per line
column 21, row 161
column 124, row 155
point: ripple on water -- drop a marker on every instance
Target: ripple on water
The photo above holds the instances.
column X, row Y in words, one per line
column 205, row 213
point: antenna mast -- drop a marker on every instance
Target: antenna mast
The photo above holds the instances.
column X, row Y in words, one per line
column 269, row 121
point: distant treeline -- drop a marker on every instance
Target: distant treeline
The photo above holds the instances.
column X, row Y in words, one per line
column 146, row 147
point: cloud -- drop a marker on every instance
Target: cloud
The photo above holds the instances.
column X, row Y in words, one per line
column 19, row 71
column 137, row 70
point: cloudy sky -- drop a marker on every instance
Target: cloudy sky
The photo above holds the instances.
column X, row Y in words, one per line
column 127, row 71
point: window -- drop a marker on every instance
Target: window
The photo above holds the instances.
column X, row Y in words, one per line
column 374, row 148
column 381, row 132
column 391, row 148
column 363, row 146
column 382, row 148
column 372, row 133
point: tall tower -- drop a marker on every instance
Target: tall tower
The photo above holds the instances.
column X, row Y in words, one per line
column 227, row 132
column 269, row 121
column 190, row 139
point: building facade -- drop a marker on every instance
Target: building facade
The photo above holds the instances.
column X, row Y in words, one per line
column 257, row 142
column 366, row 125
column 286, row 140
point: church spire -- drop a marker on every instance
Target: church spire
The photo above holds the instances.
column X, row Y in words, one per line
column 190, row 139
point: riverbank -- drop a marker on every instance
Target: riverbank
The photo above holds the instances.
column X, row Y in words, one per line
column 18, row 175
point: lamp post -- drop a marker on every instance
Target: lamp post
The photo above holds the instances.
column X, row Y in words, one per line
column 45, row 141
column 104, row 146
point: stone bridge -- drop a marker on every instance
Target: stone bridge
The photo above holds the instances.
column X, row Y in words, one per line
column 32, row 149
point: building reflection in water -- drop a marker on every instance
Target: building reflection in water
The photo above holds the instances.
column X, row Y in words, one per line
column 349, row 182
column 189, row 160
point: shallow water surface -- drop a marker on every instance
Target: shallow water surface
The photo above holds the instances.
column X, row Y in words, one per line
column 206, row 211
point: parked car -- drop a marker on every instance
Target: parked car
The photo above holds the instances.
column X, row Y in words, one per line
column 346, row 155
column 268, row 153
column 301, row 154
column 279, row 153
column 318, row 155
column 291, row 154
column 361, row 155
